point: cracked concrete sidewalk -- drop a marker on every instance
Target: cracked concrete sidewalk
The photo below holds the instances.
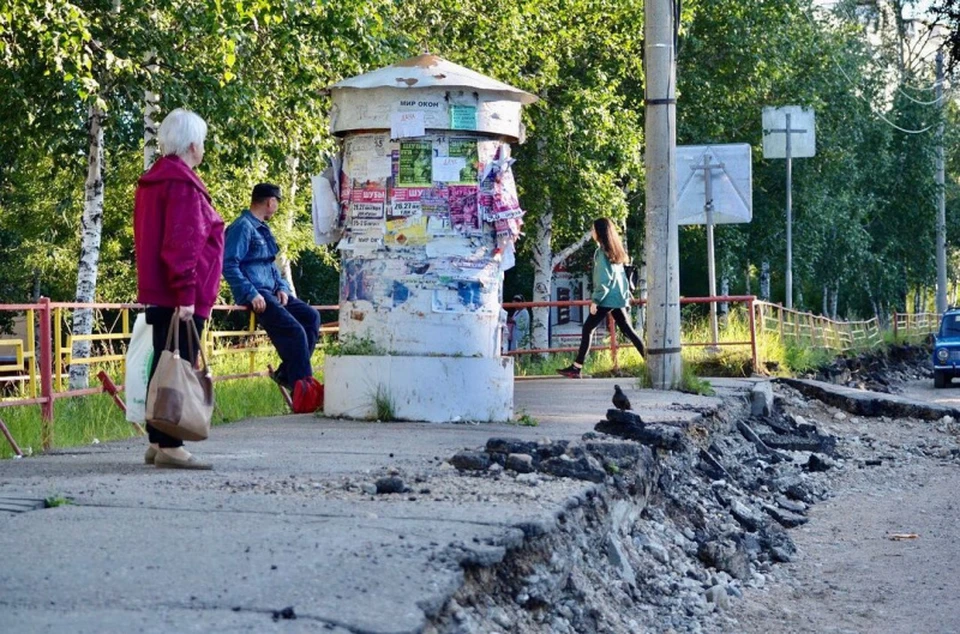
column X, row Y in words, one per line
column 142, row 549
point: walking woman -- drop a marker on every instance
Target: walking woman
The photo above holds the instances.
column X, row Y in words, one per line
column 178, row 237
column 611, row 292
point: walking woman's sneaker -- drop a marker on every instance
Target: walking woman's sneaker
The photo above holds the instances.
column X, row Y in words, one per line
column 571, row 372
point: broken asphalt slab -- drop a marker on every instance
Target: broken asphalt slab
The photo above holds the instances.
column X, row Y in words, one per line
column 282, row 521
column 867, row 403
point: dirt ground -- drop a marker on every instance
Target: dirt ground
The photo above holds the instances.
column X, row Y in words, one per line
column 854, row 573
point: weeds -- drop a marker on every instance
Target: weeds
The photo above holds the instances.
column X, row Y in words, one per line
column 384, row 406
column 526, row 420
column 54, row 501
column 354, row 346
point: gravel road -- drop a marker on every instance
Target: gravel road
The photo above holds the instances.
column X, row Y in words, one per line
column 882, row 555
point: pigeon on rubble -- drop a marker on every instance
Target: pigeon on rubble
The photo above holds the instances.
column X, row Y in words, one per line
column 620, row 400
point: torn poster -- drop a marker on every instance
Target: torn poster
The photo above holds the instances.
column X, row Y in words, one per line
column 380, row 168
column 357, row 285
column 467, row 150
column 325, row 210
column 406, row 124
column 416, row 161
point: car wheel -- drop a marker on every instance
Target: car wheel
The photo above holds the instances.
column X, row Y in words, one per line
column 940, row 379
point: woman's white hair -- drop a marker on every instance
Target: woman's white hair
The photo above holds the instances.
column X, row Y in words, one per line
column 179, row 130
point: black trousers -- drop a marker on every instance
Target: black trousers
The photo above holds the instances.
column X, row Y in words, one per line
column 623, row 324
column 159, row 317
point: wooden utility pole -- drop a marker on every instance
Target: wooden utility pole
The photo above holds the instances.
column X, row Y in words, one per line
column 941, row 200
column 661, row 245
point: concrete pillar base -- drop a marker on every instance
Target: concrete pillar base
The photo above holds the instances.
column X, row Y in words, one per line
column 431, row 389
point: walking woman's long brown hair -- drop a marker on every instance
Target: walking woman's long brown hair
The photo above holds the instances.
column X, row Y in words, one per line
column 609, row 241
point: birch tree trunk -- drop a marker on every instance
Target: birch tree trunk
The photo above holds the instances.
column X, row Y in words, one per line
column 542, row 277
column 91, row 231
column 642, row 295
column 293, row 164
column 765, row 281
column 826, row 301
column 725, row 291
column 150, row 109
column 834, row 296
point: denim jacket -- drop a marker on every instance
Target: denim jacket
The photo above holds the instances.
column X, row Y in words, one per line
column 249, row 259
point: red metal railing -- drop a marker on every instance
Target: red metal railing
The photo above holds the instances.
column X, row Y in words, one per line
column 613, row 344
column 45, row 354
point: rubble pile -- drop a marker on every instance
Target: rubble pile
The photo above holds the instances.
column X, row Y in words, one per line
column 680, row 520
column 882, row 370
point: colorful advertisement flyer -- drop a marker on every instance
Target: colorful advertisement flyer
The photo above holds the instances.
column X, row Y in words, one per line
column 463, row 117
column 406, row 232
column 405, row 201
column 464, row 214
column 367, row 200
column 416, row 163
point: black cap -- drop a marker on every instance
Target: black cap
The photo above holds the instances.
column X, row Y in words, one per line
column 518, row 298
column 263, row 191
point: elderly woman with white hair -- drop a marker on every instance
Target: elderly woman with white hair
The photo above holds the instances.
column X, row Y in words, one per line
column 178, row 237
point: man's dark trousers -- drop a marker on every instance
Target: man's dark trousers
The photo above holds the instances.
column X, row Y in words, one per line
column 294, row 330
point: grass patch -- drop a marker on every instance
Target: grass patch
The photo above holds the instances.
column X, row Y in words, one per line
column 526, row 420
column 84, row 419
column 384, row 406
column 54, row 501
column 354, row 346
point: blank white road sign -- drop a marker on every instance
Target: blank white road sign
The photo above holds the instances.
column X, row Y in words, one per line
column 802, row 144
column 731, row 181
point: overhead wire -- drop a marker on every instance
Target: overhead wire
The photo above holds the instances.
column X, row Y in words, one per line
column 879, row 115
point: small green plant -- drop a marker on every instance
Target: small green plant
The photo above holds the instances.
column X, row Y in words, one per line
column 612, row 468
column 526, row 420
column 56, row 500
column 689, row 381
column 693, row 384
column 383, row 405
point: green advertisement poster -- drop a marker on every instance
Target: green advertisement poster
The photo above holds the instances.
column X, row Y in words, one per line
column 416, row 163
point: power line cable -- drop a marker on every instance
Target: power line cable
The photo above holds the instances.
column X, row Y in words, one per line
column 879, row 115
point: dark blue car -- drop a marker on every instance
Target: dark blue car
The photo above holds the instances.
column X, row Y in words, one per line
column 946, row 349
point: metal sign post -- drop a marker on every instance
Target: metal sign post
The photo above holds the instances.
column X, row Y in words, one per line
column 707, row 167
column 803, row 134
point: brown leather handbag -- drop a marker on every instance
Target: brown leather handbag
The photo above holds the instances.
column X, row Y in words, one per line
column 180, row 395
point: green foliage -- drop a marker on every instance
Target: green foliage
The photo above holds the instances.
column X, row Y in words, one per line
column 256, row 71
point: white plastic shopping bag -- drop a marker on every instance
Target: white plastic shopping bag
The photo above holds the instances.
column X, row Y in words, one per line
column 138, row 360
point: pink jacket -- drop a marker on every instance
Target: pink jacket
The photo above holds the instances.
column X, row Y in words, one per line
column 178, row 237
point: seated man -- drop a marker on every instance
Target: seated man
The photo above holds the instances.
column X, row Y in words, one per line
column 249, row 266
